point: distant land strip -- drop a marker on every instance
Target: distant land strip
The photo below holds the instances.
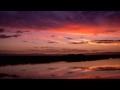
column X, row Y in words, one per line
column 14, row 60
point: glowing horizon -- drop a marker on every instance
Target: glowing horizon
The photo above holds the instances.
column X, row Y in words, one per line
column 59, row 32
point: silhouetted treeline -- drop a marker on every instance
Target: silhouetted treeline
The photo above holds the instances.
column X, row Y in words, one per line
column 13, row 60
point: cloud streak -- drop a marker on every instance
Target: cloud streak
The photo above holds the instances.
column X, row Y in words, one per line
column 78, row 42
column 105, row 42
column 52, row 42
column 68, row 38
column 8, row 36
column 96, row 42
column 19, row 32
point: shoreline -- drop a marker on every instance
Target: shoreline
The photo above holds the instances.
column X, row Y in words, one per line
column 14, row 60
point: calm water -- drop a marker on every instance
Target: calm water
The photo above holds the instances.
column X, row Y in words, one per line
column 100, row 69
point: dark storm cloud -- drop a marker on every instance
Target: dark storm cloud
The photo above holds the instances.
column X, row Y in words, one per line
column 8, row 36
column 1, row 30
column 51, row 19
column 106, row 41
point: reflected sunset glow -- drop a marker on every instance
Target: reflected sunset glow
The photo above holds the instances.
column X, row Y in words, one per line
column 60, row 44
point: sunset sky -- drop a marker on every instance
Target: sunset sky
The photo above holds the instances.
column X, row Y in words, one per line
column 59, row 32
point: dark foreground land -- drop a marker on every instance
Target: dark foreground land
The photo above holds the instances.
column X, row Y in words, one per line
column 14, row 60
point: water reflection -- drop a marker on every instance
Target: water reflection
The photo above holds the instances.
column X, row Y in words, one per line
column 100, row 69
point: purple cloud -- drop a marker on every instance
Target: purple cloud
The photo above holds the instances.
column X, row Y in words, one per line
column 53, row 19
column 8, row 36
